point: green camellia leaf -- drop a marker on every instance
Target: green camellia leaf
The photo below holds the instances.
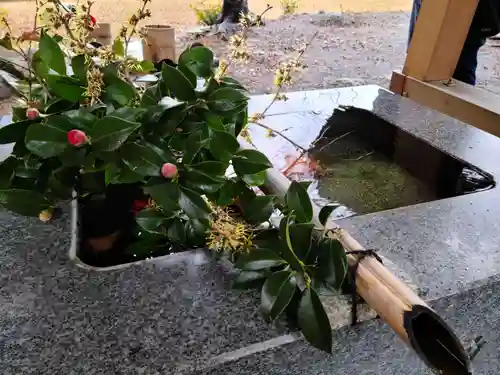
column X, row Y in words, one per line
column 199, row 60
column 119, row 91
column 82, row 118
column 277, row 293
column 288, row 251
column 49, row 138
column 56, row 105
column 128, row 113
column 297, row 200
column 14, row 132
column 222, row 145
column 52, row 54
column 193, row 204
column 24, row 202
column 141, row 159
column 257, row 179
column 7, row 171
column 110, row 132
column 332, row 262
column 227, row 100
column 314, row 322
column 325, row 213
column 226, row 194
column 301, row 238
column 39, row 65
column 146, row 66
column 64, row 87
column 176, row 83
column 250, row 162
column 191, row 147
column 259, row 209
column 259, row 259
column 165, row 195
column 80, row 67
column 150, row 220
column 213, row 121
column 176, row 232
column 201, row 181
column 247, row 279
column 151, row 96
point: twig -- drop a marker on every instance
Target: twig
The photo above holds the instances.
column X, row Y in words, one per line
column 280, row 134
column 334, row 140
column 30, row 60
column 360, row 157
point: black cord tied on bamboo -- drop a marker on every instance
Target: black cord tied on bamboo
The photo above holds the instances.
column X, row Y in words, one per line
column 361, row 254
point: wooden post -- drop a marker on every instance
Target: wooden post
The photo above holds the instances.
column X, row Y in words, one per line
column 438, row 38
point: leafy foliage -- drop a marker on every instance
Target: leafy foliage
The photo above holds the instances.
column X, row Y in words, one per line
column 89, row 129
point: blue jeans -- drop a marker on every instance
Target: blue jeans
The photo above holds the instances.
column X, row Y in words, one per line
column 467, row 63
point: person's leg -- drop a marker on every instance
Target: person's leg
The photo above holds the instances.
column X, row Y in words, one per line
column 413, row 18
column 467, row 63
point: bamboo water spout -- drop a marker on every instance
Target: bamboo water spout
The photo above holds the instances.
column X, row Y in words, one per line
column 409, row 316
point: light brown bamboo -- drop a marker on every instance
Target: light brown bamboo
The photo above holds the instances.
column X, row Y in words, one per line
column 390, row 297
column 158, row 43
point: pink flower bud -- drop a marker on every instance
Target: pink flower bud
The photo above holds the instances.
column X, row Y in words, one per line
column 32, row 113
column 169, row 170
column 77, row 137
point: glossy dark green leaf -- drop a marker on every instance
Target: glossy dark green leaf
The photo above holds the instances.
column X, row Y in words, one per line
column 212, row 168
column 259, row 209
column 249, row 279
column 259, row 259
column 222, row 145
column 257, row 179
column 57, row 105
column 240, row 121
column 14, row 132
column 332, row 262
column 119, row 91
column 151, row 96
column 7, row 171
column 150, row 220
column 301, row 239
column 213, row 121
column 288, row 251
column 277, row 292
column 227, row 100
column 298, row 200
column 141, row 159
column 80, row 67
column 40, row 66
column 49, row 138
column 325, row 213
column 165, row 195
column 199, row 60
column 176, row 83
column 198, row 180
column 82, row 118
column 250, row 162
column 146, row 66
column 52, row 54
column 128, row 113
column 191, row 147
column 176, row 231
column 110, row 132
column 24, row 202
column 193, row 204
column 226, row 194
column 313, row 321
column 64, row 87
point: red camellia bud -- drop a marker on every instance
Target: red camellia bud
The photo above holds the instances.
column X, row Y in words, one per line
column 77, row 137
column 169, row 170
column 32, row 113
column 92, row 21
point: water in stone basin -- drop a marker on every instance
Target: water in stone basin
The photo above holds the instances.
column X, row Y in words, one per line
column 364, row 164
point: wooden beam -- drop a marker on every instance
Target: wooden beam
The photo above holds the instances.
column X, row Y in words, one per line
column 472, row 105
column 438, row 38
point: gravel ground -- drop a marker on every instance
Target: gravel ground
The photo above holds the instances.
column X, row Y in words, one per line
column 349, row 49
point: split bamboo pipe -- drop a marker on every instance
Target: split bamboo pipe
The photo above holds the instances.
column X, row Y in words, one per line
column 408, row 315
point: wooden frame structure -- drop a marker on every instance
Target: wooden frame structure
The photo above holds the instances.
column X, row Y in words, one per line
column 439, row 35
